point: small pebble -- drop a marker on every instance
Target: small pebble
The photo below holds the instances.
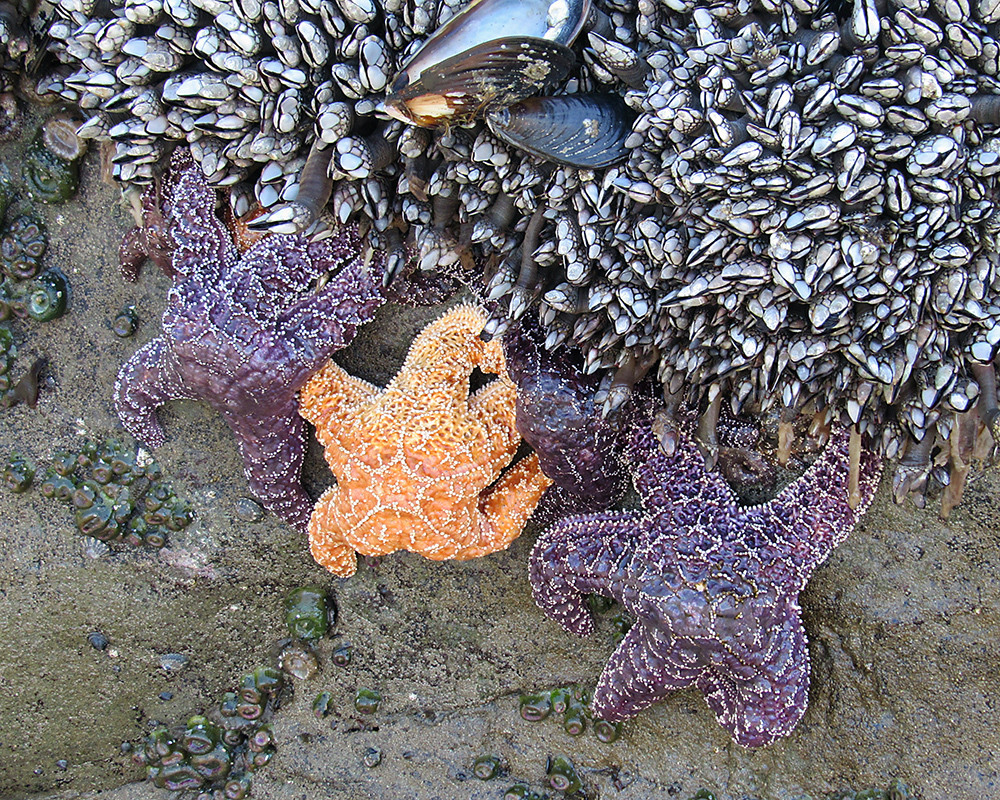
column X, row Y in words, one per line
column 98, row 640
column 166, row 695
column 372, row 757
column 62, row 763
column 249, row 510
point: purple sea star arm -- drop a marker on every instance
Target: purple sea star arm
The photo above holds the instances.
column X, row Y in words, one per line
column 812, row 515
column 145, row 382
column 244, row 333
column 677, row 485
column 556, row 414
column 577, row 557
column 205, row 249
column 758, row 686
column 713, row 586
column 332, row 315
column 558, row 503
column 273, row 449
column 643, row 670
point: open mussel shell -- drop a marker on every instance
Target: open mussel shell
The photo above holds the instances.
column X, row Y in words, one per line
column 483, row 21
column 489, row 75
column 579, row 130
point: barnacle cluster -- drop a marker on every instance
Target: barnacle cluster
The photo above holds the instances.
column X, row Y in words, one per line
column 113, row 497
column 249, row 85
column 805, row 217
column 22, row 41
column 217, row 755
column 824, row 219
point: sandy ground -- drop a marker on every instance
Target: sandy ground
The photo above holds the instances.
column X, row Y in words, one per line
column 902, row 618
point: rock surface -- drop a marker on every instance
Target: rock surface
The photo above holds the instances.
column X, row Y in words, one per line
column 902, row 619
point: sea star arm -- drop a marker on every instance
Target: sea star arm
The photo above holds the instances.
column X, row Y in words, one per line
column 204, row 246
column 492, row 407
column 131, row 253
column 679, row 483
column 577, row 557
column 505, row 507
column 326, row 543
column 327, row 319
column 273, row 448
column 812, row 515
column 144, row 383
column 328, row 399
column 558, row 503
column 444, row 354
column 760, row 692
column 644, row 669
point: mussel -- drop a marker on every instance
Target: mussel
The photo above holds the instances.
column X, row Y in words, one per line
column 580, row 130
column 492, row 74
column 484, row 21
column 493, row 52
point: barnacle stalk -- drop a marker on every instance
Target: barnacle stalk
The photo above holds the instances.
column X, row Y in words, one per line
column 985, row 109
column 705, row 436
column 526, row 285
column 854, row 475
column 315, row 188
column 910, row 476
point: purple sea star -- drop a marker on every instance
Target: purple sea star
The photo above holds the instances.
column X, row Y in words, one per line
column 244, row 333
column 714, row 586
column 557, row 416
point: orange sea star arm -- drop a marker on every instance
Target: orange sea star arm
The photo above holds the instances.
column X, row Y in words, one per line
column 443, row 355
column 492, row 407
column 506, row 506
column 330, row 397
column 326, row 542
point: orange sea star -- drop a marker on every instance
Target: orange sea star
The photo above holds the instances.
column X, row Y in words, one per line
column 415, row 462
